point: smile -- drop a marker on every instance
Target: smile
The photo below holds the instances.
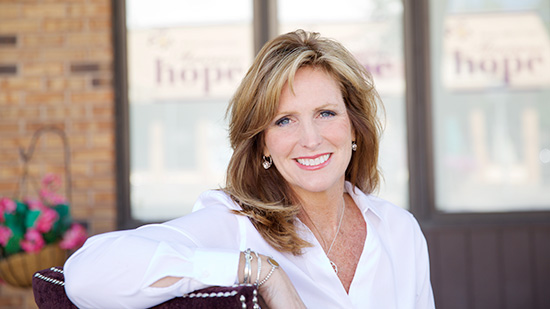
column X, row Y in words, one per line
column 314, row 162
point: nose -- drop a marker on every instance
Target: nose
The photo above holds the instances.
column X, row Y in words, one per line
column 310, row 135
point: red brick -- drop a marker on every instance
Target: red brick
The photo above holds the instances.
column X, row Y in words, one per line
column 94, row 126
column 102, row 225
column 19, row 25
column 103, row 112
column 104, row 54
column 64, row 54
column 11, row 125
column 14, row 55
column 10, row 98
column 33, row 126
column 105, row 198
column 103, row 168
column 51, row 141
column 42, row 68
column 94, row 40
column 8, row 11
column 95, row 183
column 103, row 96
column 62, row 112
column 80, row 169
column 100, row 24
column 7, row 187
column 103, row 140
column 77, row 141
column 63, row 83
column 18, row 83
column 42, row 40
column 19, row 112
column 10, row 171
column 62, row 25
column 8, row 155
column 80, row 213
column 31, row 11
column 94, row 155
column 89, row 9
column 50, row 98
column 102, row 82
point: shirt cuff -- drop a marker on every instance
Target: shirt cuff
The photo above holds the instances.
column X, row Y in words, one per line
column 215, row 266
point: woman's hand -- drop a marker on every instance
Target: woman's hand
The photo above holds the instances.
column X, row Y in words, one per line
column 277, row 291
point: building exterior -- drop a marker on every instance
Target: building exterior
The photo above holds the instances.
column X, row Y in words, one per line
column 465, row 85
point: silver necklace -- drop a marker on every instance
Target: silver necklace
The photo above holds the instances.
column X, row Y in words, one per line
column 334, row 266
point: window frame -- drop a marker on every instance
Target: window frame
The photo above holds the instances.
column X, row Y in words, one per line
column 417, row 107
column 420, row 127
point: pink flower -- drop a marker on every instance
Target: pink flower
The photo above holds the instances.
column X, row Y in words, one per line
column 51, row 181
column 51, row 198
column 5, row 235
column 6, row 206
column 74, row 237
column 35, row 204
column 33, row 241
column 46, row 220
column 50, row 184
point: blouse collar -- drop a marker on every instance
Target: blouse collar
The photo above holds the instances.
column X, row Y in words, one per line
column 365, row 202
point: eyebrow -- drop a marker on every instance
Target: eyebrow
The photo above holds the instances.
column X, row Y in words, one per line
column 324, row 106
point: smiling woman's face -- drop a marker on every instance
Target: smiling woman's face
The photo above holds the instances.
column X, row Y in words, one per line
column 310, row 137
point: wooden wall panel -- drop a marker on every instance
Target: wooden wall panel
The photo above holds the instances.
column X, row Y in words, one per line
column 542, row 267
column 452, row 289
column 433, row 249
column 486, row 276
column 517, row 268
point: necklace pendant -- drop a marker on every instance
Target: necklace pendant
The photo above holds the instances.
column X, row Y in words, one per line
column 334, row 266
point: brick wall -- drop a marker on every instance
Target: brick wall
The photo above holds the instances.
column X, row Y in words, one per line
column 56, row 61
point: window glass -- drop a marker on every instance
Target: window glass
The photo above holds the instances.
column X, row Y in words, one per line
column 185, row 60
column 491, row 104
column 372, row 30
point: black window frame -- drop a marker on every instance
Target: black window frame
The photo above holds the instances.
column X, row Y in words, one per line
column 418, row 115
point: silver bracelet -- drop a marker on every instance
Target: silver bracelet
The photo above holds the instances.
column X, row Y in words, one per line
column 259, row 268
column 247, row 268
column 274, row 265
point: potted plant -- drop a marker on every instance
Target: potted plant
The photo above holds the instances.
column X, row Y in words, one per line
column 36, row 233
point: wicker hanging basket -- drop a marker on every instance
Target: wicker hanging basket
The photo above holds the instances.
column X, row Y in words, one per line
column 18, row 269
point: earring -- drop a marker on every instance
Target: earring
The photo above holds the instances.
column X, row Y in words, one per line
column 267, row 162
column 353, row 146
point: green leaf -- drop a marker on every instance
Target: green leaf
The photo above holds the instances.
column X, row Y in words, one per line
column 64, row 222
column 32, row 216
column 13, row 245
column 52, row 236
column 15, row 222
column 21, row 207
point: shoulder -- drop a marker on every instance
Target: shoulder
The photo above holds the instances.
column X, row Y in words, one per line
column 388, row 211
column 215, row 198
column 212, row 220
column 386, row 214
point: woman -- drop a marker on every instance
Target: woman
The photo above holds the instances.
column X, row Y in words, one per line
column 304, row 132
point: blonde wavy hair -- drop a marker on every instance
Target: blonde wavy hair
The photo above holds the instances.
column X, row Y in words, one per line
column 264, row 195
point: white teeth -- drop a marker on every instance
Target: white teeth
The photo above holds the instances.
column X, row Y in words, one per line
column 313, row 162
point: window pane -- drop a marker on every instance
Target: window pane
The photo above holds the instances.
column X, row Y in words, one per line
column 491, row 111
column 372, row 31
column 185, row 60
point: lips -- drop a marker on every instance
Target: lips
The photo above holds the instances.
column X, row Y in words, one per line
column 313, row 162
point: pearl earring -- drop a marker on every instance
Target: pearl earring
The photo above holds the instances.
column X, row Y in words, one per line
column 267, row 162
column 353, row 146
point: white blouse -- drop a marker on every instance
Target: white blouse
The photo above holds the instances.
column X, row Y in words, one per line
column 115, row 270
